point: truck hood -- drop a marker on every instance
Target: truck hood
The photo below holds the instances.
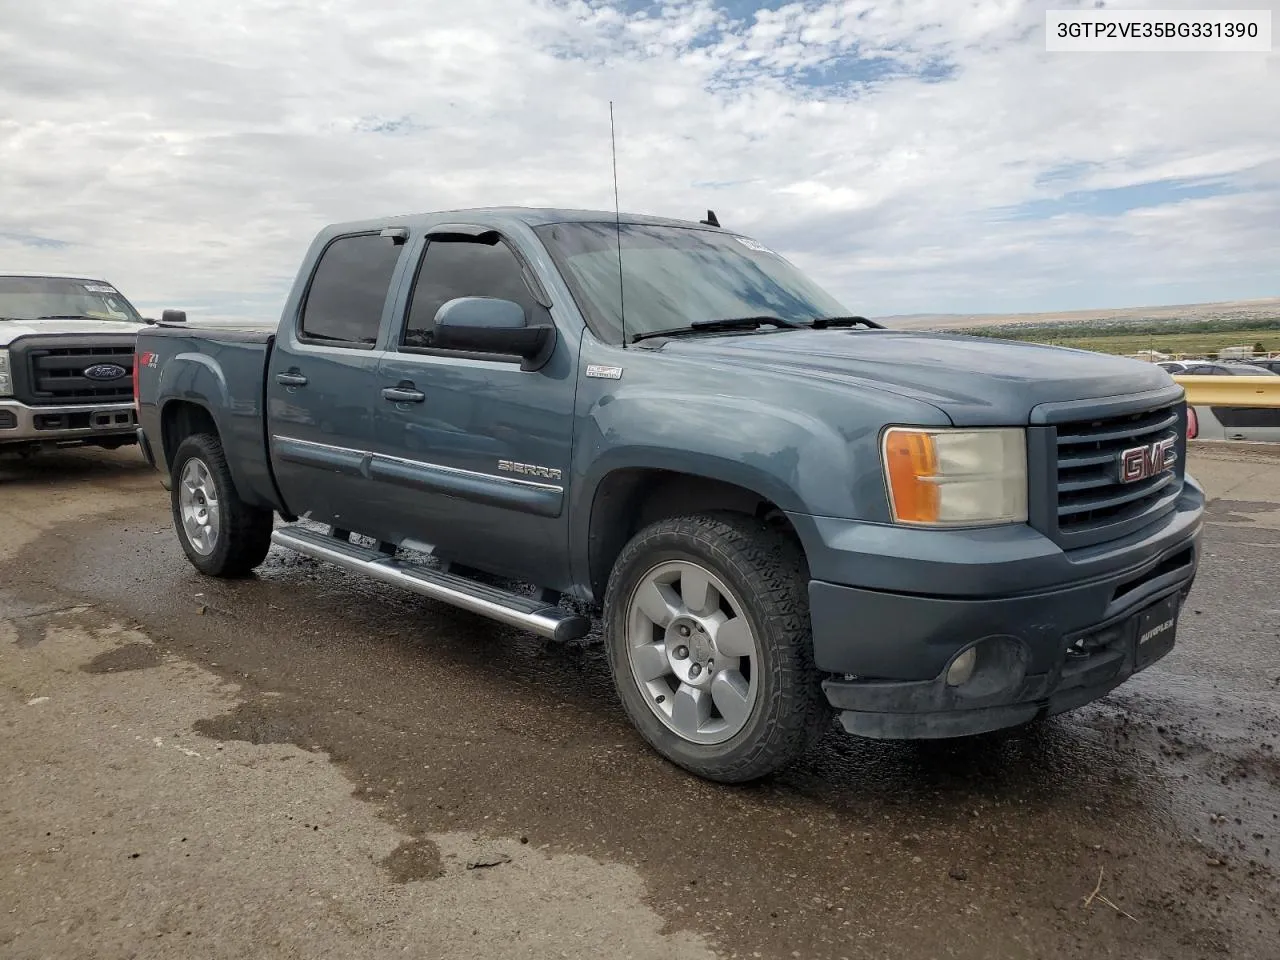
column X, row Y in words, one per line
column 11, row 330
column 975, row 381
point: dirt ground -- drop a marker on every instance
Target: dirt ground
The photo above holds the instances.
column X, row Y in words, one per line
column 304, row 764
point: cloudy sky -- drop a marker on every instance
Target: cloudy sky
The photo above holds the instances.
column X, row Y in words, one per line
column 913, row 155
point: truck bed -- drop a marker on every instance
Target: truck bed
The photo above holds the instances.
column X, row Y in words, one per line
column 222, row 371
column 234, row 333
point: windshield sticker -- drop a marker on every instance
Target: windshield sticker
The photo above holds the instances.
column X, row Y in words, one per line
column 753, row 245
column 100, row 288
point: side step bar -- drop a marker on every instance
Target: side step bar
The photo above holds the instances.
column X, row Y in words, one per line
column 515, row 610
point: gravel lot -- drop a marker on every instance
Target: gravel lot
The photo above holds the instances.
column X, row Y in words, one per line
column 303, row 764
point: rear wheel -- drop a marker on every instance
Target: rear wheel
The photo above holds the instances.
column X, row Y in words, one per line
column 707, row 629
column 221, row 535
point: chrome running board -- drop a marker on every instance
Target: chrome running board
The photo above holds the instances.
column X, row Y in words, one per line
column 515, row 610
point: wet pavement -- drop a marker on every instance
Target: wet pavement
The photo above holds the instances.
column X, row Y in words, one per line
column 1142, row 826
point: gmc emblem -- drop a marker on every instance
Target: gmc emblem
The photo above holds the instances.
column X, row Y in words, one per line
column 1140, row 463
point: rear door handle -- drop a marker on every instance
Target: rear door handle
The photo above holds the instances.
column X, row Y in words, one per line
column 403, row 395
column 291, row 379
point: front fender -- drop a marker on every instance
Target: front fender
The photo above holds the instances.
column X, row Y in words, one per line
column 809, row 444
column 786, row 455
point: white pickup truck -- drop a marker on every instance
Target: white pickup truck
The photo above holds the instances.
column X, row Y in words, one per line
column 66, row 364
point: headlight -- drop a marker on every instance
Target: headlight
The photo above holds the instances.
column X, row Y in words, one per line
column 946, row 477
column 6, row 377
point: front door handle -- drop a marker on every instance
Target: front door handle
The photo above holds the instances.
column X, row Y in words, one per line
column 403, row 394
column 291, row 379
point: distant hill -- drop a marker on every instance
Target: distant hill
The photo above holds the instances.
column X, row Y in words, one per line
column 1243, row 311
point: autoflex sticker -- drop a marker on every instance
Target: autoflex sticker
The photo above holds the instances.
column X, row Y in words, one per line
column 753, row 244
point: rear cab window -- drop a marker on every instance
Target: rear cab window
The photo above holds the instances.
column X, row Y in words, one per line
column 348, row 291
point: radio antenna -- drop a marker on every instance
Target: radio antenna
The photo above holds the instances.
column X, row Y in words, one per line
column 617, row 228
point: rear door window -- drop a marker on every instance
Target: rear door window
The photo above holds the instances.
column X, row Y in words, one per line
column 348, row 291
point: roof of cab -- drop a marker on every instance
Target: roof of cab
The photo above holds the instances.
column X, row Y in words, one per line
column 498, row 216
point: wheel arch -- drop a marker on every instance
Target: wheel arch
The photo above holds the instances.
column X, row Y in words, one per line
column 627, row 499
column 180, row 419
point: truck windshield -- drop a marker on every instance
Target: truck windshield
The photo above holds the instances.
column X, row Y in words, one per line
column 30, row 298
column 673, row 276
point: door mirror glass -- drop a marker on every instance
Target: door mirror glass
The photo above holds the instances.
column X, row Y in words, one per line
column 489, row 325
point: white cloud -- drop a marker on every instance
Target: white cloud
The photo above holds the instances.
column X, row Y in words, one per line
column 188, row 149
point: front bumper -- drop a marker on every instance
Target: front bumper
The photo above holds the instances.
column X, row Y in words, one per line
column 888, row 652
column 79, row 422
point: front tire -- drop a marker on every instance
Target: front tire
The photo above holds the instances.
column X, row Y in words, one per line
column 221, row 535
column 708, row 636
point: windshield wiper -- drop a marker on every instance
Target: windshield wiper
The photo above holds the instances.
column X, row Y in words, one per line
column 826, row 323
column 714, row 326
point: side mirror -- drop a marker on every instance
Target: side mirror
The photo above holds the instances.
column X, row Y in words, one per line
column 173, row 316
column 490, row 325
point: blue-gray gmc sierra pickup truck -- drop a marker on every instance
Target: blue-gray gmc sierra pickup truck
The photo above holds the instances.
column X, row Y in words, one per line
column 778, row 510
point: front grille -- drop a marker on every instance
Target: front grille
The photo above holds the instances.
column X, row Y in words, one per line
column 1091, row 497
column 56, row 374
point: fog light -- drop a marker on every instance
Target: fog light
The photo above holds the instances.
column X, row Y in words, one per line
column 962, row 667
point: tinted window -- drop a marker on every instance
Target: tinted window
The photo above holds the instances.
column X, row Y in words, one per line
column 462, row 268
column 1248, row 370
column 349, row 289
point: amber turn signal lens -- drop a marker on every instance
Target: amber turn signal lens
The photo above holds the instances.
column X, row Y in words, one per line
column 911, row 460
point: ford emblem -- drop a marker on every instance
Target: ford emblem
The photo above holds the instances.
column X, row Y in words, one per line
column 105, row 371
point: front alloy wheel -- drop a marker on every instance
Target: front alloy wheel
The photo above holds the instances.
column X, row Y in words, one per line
column 692, row 652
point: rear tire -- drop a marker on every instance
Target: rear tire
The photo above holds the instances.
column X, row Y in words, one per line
column 726, row 687
column 221, row 535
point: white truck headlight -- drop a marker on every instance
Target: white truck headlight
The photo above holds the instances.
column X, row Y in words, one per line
column 6, row 375
column 945, row 477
